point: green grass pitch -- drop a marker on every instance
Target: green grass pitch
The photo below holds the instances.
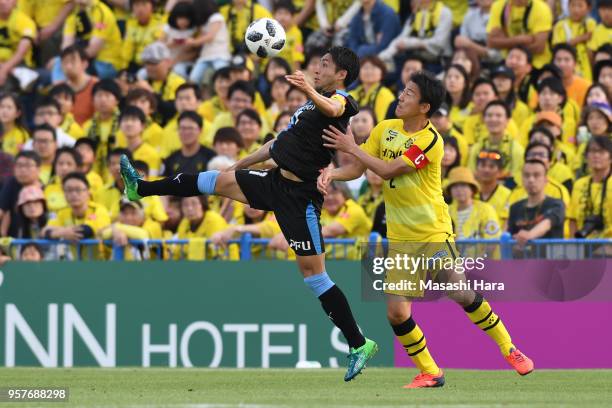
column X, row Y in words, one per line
column 251, row 388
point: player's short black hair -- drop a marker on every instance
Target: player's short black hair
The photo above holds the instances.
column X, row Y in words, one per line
column 228, row 135
column 29, row 154
column 61, row 90
column 242, row 86
column 344, row 58
column 544, row 131
column 76, row 175
column 431, row 89
column 118, row 151
column 74, row 49
column 533, row 145
column 564, row 47
column 189, row 85
column 107, row 85
column 132, row 111
column 192, row 116
column 498, row 102
column 44, row 128
column 46, row 101
column 251, row 114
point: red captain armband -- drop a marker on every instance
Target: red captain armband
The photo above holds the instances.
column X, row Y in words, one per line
column 416, row 155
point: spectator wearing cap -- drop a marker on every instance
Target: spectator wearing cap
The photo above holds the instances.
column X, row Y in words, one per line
column 83, row 218
column 521, row 22
column 132, row 123
column 441, row 120
column 133, row 224
column 603, row 31
column 31, row 212
column 489, row 170
column 426, row 33
column 102, row 128
column 74, row 64
column 161, row 80
column 556, row 170
column 519, row 60
column 473, row 32
column 27, row 172
column 371, row 92
column 472, row 219
column 537, row 215
column 576, row 87
column 143, row 27
column 238, row 14
column 597, row 118
column 576, row 30
column 86, row 148
column 496, row 117
column 93, row 23
column 372, row 28
column 192, row 157
column 503, row 78
column 553, row 98
column 110, row 195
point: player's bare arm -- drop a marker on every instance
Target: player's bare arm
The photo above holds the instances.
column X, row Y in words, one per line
column 328, row 106
column 345, row 142
column 260, row 155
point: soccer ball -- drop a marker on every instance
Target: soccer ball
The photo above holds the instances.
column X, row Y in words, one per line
column 265, row 37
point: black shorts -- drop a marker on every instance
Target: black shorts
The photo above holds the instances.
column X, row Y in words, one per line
column 296, row 205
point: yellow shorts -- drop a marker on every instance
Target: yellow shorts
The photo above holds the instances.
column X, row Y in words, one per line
column 416, row 260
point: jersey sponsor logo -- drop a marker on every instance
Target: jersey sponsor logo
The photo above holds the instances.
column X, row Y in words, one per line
column 409, row 143
column 258, row 173
column 392, row 134
column 178, row 178
column 303, row 245
column 392, row 154
column 416, row 155
column 491, row 228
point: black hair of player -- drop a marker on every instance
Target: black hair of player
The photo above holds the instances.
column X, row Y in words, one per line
column 135, row 112
column 189, row 85
column 228, row 135
column 183, row 9
column 192, row 116
column 498, row 102
column 533, row 145
column 107, row 85
column 543, row 130
column 76, row 175
column 431, row 89
column 251, row 114
column 345, row 59
column 119, row 151
column 242, row 86
column 564, row 47
column 44, row 128
column 29, row 154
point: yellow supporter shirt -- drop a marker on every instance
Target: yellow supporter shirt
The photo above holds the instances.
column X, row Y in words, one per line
column 104, row 132
column 167, row 89
column 458, row 8
column 137, row 37
column 587, row 194
column 475, row 130
column 499, row 201
column 513, row 22
column 415, row 207
column 369, row 202
column 110, row 197
column 570, row 112
column 12, row 30
column 357, row 225
column 601, row 35
column 98, row 21
column 149, row 230
column 42, row 12
column 553, row 189
column 197, row 249
column 520, row 112
column 565, row 30
column 13, row 140
column 482, row 223
column 293, row 51
column 458, row 115
column 226, row 120
column 239, row 20
column 512, row 154
column 153, row 134
column 211, row 108
column 70, row 126
column 95, row 217
column 45, row 173
column 54, row 193
column 377, row 97
column 148, row 154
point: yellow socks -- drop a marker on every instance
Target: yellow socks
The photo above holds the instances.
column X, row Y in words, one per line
column 481, row 314
column 412, row 338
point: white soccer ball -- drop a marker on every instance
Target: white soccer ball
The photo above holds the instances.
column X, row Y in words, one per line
column 265, row 37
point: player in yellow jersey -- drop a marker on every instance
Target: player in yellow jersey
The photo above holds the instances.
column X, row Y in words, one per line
column 407, row 153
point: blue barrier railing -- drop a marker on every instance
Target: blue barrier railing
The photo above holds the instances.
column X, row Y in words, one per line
column 507, row 247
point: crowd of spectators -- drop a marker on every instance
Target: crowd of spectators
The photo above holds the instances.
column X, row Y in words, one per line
column 527, row 121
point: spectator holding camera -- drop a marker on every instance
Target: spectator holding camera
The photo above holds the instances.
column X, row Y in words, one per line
column 590, row 212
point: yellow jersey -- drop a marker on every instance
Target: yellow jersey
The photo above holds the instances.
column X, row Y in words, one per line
column 499, row 201
column 378, row 98
column 71, row 126
column 110, row 197
column 137, row 37
column 570, row 116
column 415, row 207
column 535, row 18
column 96, row 216
column 565, row 30
column 357, row 225
column 16, row 27
column 210, row 108
column 238, row 20
column 97, row 21
column 197, row 249
column 167, row 89
column 147, row 153
column 601, row 35
column 458, row 116
column 475, row 130
column 587, row 199
column 171, row 142
column 482, row 222
column 13, row 140
column 512, row 154
column 370, row 202
column 42, row 12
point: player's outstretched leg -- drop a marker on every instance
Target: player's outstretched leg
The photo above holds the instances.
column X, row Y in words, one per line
column 337, row 308
column 180, row 185
column 411, row 337
column 481, row 314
